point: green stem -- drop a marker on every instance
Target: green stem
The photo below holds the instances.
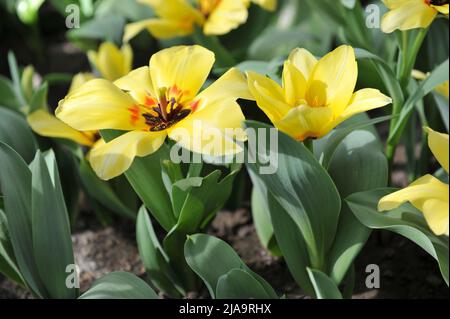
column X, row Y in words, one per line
column 309, row 144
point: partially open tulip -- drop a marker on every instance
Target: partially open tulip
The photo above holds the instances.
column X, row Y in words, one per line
column 112, row 62
column 428, row 194
column 315, row 95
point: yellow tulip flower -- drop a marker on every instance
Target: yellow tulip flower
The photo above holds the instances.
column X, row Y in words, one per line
column 151, row 103
column 411, row 14
column 442, row 89
column 428, row 194
column 111, row 62
column 46, row 124
column 179, row 17
column 315, row 96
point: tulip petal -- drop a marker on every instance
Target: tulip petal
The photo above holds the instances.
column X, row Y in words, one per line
column 110, row 61
column 79, row 79
column 408, row 15
column 186, row 67
column 364, row 100
column 336, row 73
column 304, row 61
column 429, row 195
column 305, row 122
column 212, row 130
column 228, row 15
column 45, row 124
column 111, row 159
column 269, row 96
column 99, row 104
column 269, row 5
column 138, row 84
column 442, row 9
column 294, row 84
column 231, row 85
column 439, row 145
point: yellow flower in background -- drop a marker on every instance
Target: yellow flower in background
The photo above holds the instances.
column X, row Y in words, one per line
column 46, row 124
column 315, row 96
column 442, row 89
column 111, row 62
column 176, row 18
column 412, row 14
column 428, row 194
column 151, row 103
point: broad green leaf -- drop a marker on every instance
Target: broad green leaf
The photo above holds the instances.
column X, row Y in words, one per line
column 39, row 99
column 8, row 264
column 358, row 164
column 303, row 189
column 103, row 192
column 145, row 177
column 130, row 9
column 211, row 258
column 442, row 104
column 15, row 76
column 108, row 28
column 239, row 284
column 120, row 285
column 405, row 220
column 52, row 244
column 15, row 132
column 15, row 182
column 324, row 286
column 154, row 258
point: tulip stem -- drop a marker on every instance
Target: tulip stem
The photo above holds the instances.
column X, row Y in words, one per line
column 309, row 144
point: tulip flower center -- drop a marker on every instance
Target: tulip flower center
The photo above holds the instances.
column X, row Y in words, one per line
column 437, row 2
column 206, row 7
column 166, row 111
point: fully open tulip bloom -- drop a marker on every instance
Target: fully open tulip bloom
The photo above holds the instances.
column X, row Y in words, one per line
column 161, row 100
column 111, row 62
column 412, row 14
column 315, row 96
column 179, row 17
column 428, row 194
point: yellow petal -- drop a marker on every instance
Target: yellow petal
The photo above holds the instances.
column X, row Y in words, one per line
column 429, row 195
column 365, row 100
column 443, row 89
column 138, row 84
column 115, row 157
column 45, row 124
column 79, row 79
column 268, row 95
column 99, row 104
column 294, row 84
column 186, row 67
column 442, row 9
column 336, row 74
column 269, row 5
column 439, row 145
column 303, row 61
column 112, row 62
column 211, row 130
column 408, row 15
column 133, row 29
column 304, row 122
column 231, row 85
column 228, row 15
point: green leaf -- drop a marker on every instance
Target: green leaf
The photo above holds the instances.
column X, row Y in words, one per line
column 8, row 264
column 16, row 188
column 324, row 286
column 442, row 104
column 103, row 192
column 358, row 164
column 405, row 220
column 154, row 258
column 39, row 99
column 120, row 285
column 211, row 258
column 145, row 177
column 108, row 28
column 52, row 244
column 129, row 9
column 15, row 76
column 302, row 189
column 15, row 132
column 239, row 284
column 8, row 96
column 437, row 77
